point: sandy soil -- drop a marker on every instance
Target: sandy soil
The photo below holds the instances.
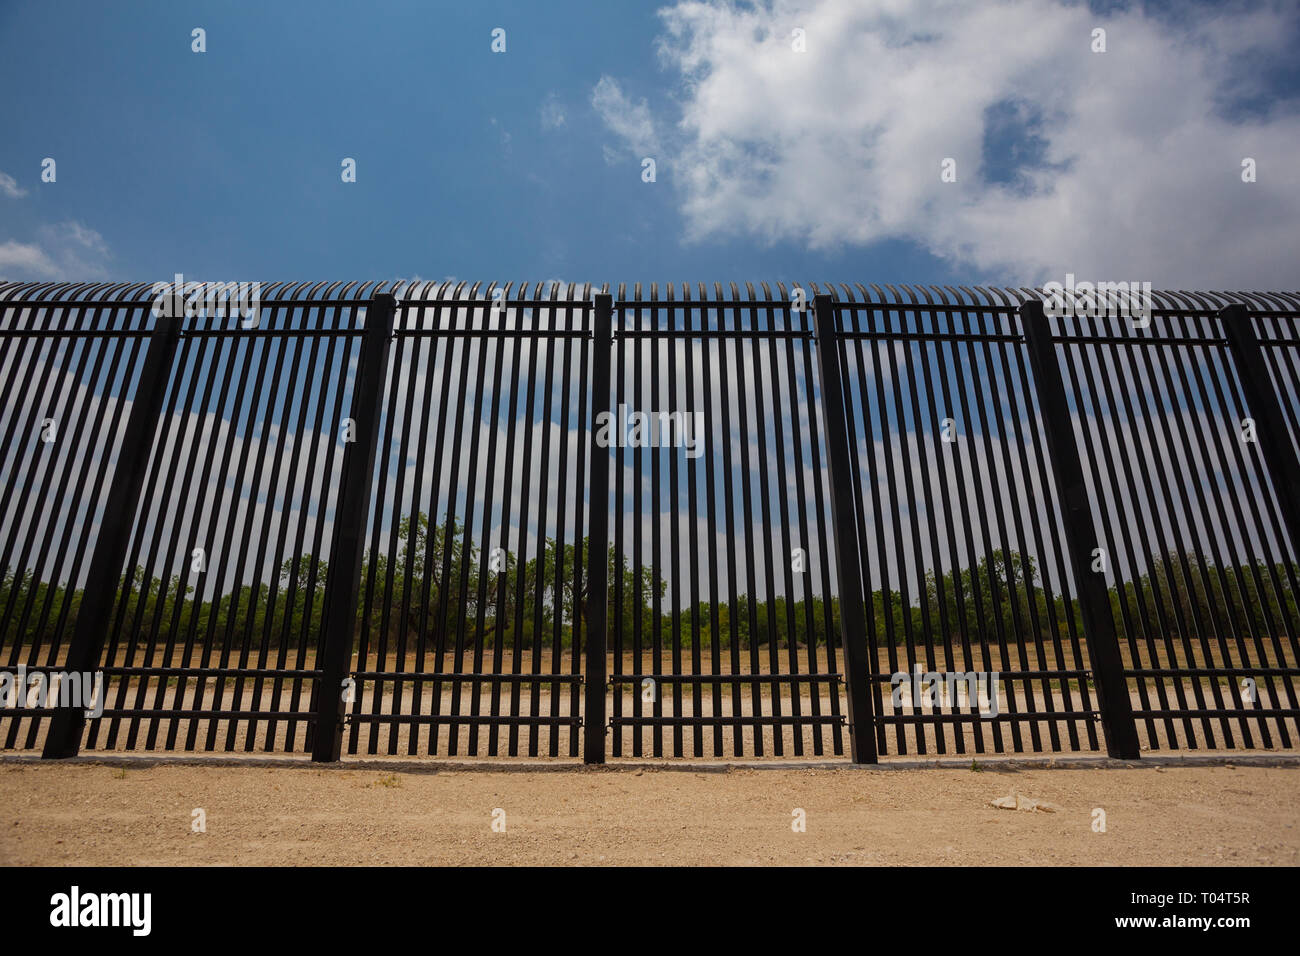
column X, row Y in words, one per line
column 97, row 814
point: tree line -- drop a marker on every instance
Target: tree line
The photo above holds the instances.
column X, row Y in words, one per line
column 438, row 583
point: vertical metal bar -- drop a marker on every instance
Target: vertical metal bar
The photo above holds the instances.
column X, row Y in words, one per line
column 468, row 547
column 817, row 507
column 332, row 372
column 1080, row 536
column 1270, row 427
column 537, row 644
column 716, row 692
column 343, row 575
column 105, row 573
column 780, row 464
column 593, row 749
column 503, row 581
column 579, row 537
column 762, row 549
column 433, row 585
column 620, row 504
column 656, row 538
column 802, row 461
column 498, row 360
column 638, row 522
column 399, row 420
column 862, row 731
column 727, row 387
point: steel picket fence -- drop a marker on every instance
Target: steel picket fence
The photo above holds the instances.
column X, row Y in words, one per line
column 535, row 520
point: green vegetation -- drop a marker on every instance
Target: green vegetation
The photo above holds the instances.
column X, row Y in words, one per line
column 442, row 586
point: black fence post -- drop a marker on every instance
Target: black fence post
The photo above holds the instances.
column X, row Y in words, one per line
column 858, row 669
column 1271, row 433
column 1080, row 536
column 343, row 575
column 593, row 718
column 104, row 579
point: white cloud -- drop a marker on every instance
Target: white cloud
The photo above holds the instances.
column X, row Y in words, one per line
column 25, row 259
column 9, row 187
column 629, row 121
column 553, row 116
column 1138, row 174
column 67, row 250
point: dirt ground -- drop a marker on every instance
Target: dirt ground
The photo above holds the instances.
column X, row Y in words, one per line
column 87, row 814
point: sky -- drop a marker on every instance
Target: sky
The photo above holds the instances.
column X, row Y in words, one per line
column 791, row 141
column 777, row 155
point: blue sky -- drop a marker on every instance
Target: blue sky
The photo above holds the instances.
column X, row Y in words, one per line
column 228, row 162
column 771, row 164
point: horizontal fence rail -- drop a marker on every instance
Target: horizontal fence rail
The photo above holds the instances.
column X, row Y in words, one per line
column 674, row 520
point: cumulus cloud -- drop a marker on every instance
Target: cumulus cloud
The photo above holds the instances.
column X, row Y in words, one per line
column 67, row 250
column 629, row 120
column 1114, row 165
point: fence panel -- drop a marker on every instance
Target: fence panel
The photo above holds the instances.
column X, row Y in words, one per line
column 473, row 598
column 723, row 618
column 68, row 374
column 720, row 584
column 964, row 568
column 213, row 640
column 1200, row 571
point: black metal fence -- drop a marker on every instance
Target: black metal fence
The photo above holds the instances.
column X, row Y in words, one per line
column 393, row 518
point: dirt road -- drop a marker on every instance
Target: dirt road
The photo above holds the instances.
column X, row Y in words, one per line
column 98, row 814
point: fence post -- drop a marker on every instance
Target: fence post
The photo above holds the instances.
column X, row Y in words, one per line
column 858, row 669
column 105, row 575
column 1271, row 433
column 343, row 575
column 602, row 341
column 1080, row 536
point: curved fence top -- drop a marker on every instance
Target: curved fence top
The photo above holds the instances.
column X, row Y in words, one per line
column 921, row 296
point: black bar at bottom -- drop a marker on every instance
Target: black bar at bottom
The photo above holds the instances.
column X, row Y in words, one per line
column 593, row 744
column 105, row 575
column 862, row 726
column 1271, row 434
column 343, row 575
column 1081, row 536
